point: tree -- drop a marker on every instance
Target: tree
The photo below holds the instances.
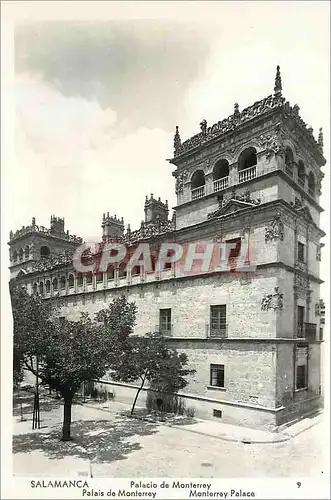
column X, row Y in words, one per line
column 149, row 358
column 68, row 352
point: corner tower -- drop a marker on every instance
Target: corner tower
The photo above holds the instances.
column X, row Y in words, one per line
column 31, row 244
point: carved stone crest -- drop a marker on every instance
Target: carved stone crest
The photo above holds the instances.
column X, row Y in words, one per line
column 273, row 300
column 275, row 230
column 301, row 282
column 272, row 143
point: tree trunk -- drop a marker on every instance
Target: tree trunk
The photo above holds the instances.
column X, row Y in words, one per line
column 66, row 420
column 138, row 392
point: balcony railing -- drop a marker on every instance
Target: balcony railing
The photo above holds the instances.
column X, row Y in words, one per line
column 198, row 192
column 219, row 332
column 247, row 174
column 221, row 184
column 307, row 331
column 166, row 331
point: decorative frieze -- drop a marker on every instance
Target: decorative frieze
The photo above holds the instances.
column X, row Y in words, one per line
column 302, row 287
column 302, row 266
column 273, row 143
column 273, row 301
column 181, row 178
column 301, row 282
column 275, row 230
column 52, row 261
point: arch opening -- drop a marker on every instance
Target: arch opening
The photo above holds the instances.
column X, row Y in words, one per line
column 44, row 252
column 247, row 159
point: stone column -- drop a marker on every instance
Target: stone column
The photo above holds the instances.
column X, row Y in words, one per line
column 209, row 183
column 233, row 174
column 186, row 196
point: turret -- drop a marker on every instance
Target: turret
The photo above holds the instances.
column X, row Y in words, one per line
column 112, row 227
column 155, row 209
column 57, row 225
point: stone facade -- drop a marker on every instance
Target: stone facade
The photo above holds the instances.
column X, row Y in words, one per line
column 254, row 178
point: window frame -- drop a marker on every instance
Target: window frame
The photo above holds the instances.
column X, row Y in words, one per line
column 301, row 252
column 220, row 325
column 299, row 387
column 165, row 321
column 217, row 368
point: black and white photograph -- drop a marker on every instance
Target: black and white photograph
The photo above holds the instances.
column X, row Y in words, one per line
column 165, row 249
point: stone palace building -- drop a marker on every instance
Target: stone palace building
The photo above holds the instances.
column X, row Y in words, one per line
column 255, row 337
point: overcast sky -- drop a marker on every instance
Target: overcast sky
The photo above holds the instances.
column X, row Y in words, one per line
column 97, row 101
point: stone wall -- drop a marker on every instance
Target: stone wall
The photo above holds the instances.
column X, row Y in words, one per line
column 189, row 300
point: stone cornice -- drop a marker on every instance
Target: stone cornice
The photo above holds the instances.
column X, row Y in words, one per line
column 198, row 142
column 253, row 340
column 238, row 121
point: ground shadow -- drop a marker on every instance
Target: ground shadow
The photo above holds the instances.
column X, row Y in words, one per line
column 95, row 440
column 27, row 401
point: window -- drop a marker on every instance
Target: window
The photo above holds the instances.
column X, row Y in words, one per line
column 135, row 270
column 48, row 286
column 311, row 183
column 247, row 159
column 233, row 253
column 301, row 171
column 89, row 278
column 217, row 320
column 44, row 252
column 41, row 288
column 198, row 184
column 198, row 179
column 15, row 256
column 221, row 170
column 21, row 254
column 301, row 381
column 27, row 252
column 99, row 277
column 301, row 315
column 79, row 279
column 301, row 252
column 122, row 272
column 217, row 413
column 165, row 321
column 35, row 288
column 71, row 281
column 55, row 284
column 63, row 283
column 217, row 375
column 110, row 273
column 289, row 160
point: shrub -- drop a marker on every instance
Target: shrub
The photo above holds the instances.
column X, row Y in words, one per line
column 190, row 412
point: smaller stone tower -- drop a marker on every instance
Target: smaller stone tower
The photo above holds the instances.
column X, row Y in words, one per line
column 155, row 210
column 112, row 227
column 57, row 225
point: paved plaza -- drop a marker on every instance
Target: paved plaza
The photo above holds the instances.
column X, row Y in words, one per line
column 107, row 443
